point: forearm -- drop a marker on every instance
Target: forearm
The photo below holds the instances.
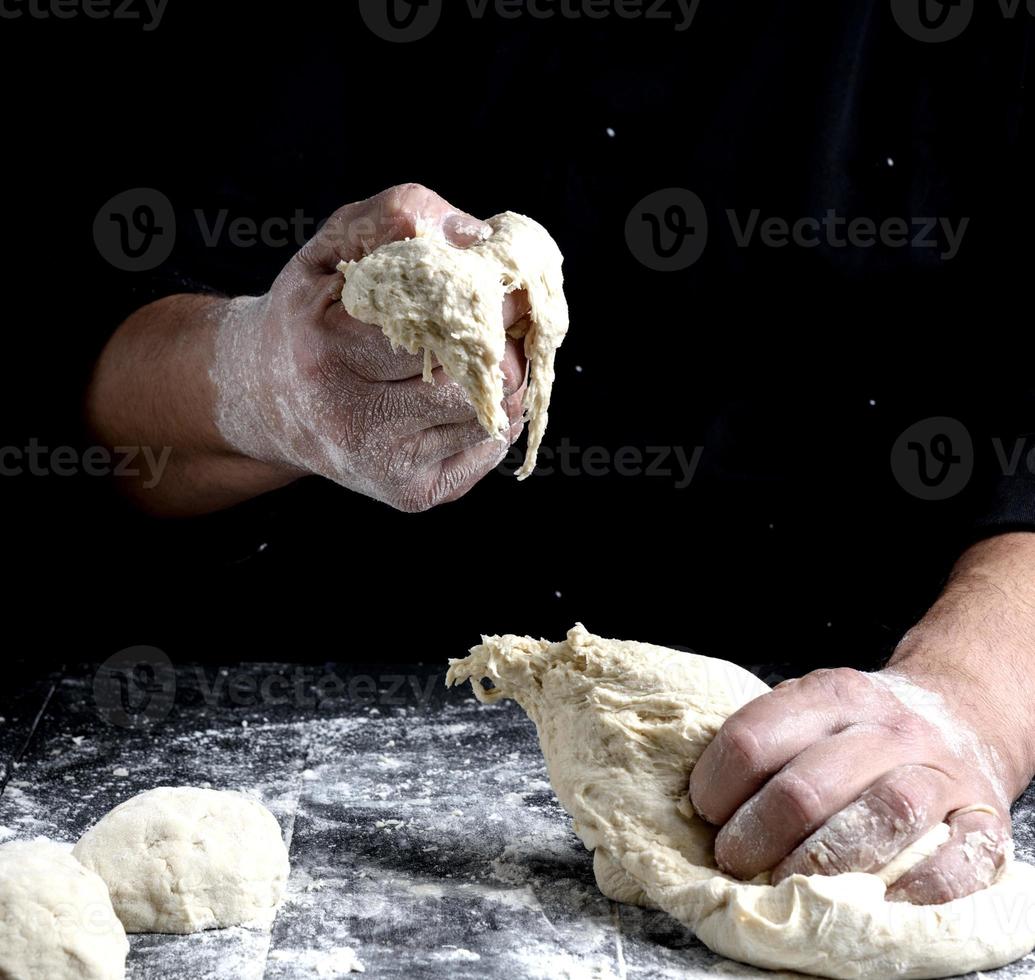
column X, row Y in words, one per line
column 976, row 647
column 151, row 388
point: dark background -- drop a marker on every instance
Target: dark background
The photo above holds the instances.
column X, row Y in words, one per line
column 795, row 543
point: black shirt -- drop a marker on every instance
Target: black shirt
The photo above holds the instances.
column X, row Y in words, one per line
column 866, row 200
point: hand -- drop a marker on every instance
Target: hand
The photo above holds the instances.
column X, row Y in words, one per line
column 840, row 771
column 303, row 386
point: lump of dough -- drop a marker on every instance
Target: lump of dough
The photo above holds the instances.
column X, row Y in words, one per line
column 56, row 919
column 180, row 860
column 621, row 725
column 426, row 294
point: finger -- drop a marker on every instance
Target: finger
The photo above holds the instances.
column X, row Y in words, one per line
column 416, row 405
column 821, row 780
column 368, row 352
column 515, row 368
column 515, row 307
column 763, row 736
column 439, row 442
column 456, row 475
column 363, row 349
column 406, row 211
column 970, row 860
column 419, row 405
column 866, row 835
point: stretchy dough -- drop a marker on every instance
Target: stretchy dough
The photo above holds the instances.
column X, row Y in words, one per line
column 427, row 294
column 621, row 725
column 56, row 920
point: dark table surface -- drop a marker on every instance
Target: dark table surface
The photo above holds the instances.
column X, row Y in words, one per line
column 425, row 840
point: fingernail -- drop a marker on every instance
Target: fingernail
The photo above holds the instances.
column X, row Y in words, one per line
column 463, row 230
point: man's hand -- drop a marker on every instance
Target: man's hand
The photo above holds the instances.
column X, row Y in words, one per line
column 252, row 393
column 839, row 771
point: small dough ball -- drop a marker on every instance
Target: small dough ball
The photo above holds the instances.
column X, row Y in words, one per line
column 180, row 860
column 56, row 919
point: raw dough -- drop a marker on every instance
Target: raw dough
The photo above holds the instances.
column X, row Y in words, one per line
column 56, row 919
column 621, row 724
column 180, row 860
column 427, row 294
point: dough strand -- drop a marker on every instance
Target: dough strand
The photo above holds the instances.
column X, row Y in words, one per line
column 426, row 294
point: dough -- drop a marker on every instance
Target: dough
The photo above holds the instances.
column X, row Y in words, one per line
column 183, row 860
column 56, row 920
column 427, row 294
column 621, row 724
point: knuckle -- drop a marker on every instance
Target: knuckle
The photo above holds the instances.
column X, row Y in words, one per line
column 901, row 802
column 906, row 726
column 405, row 193
column 798, row 797
column 404, row 201
column 823, row 855
column 845, row 680
column 739, row 736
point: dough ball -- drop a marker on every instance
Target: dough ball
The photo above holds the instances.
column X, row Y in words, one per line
column 56, row 919
column 180, row 860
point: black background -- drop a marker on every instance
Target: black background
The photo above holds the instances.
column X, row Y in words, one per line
column 794, row 543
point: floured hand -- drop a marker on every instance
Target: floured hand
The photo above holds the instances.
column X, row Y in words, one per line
column 303, row 385
column 840, row 770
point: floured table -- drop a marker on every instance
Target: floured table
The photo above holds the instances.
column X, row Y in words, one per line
column 425, row 840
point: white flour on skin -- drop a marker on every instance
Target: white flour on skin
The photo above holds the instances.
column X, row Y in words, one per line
column 961, row 740
column 428, row 295
column 268, row 409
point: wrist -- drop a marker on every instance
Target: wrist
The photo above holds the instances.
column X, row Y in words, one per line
column 976, row 649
